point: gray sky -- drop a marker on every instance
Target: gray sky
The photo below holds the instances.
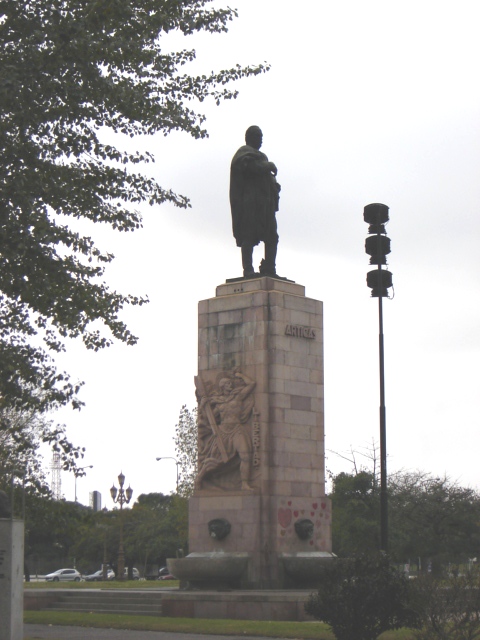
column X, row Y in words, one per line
column 372, row 101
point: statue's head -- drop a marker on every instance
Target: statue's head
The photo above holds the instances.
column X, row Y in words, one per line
column 225, row 385
column 304, row 529
column 219, row 528
column 254, row 137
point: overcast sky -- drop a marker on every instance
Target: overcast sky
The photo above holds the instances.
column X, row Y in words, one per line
column 372, row 101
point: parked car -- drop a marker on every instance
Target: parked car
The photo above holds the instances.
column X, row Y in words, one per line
column 98, row 576
column 64, row 575
column 163, row 571
column 167, row 577
column 136, row 574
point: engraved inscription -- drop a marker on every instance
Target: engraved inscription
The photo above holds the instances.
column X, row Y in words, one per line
column 297, row 331
column 256, row 438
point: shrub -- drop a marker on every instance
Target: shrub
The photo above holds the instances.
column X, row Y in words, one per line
column 448, row 606
column 362, row 597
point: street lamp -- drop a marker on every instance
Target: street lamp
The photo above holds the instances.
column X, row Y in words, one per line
column 121, row 497
column 76, row 473
column 170, row 458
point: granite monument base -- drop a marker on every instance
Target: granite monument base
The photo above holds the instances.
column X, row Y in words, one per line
column 259, row 517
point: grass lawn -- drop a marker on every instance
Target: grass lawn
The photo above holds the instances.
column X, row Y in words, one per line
column 186, row 625
column 295, row 630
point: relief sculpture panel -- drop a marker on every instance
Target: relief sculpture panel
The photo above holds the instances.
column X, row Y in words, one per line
column 227, row 455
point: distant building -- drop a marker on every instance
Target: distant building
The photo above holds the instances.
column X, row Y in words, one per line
column 95, row 500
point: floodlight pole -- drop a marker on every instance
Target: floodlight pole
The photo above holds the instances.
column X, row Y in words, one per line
column 377, row 245
column 383, row 437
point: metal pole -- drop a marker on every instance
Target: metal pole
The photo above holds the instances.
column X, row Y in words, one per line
column 170, row 458
column 105, row 557
column 383, row 437
column 121, row 554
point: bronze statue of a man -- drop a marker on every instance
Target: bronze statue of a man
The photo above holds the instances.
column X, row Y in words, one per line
column 254, row 196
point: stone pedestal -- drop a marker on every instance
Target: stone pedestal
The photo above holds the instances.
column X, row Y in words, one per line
column 260, row 341
column 11, row 579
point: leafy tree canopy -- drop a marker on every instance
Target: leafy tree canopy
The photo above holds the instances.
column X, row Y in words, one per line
column 186, row 449
column 432, row 518
column 71, row 70
column 154, row 528
column 21, row 433
column 356, row 508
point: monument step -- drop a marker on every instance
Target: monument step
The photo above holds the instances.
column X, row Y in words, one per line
column 140, row 610
column 113, row 602
column 107, row 596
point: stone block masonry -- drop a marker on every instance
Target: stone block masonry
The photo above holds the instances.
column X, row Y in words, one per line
column 260, row 372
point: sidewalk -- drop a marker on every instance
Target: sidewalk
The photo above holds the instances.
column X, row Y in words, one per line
column 54, row 632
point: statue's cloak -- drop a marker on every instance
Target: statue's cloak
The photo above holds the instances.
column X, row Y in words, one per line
column 254, row 196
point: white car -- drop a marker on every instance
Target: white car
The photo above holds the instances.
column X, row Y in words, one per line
column 98, row 576
column 64, row 575
column 136, row 574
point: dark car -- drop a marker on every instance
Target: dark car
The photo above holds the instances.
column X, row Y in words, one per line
column 163, row 572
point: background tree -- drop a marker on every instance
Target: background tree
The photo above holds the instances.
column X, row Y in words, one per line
column 52, row 528
column 186, row 449
column 97, row 538
column 431, row 519
column 153, row 530
column 356, row 507
column 71, row 73
column 21, row 434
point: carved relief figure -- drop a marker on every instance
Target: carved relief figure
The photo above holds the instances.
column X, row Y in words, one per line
column 254, row 197
column 223, row 426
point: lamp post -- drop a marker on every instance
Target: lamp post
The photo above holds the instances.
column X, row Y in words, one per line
column 76, row 473
column 121, row 496
column 170, row 458
column 377, row 246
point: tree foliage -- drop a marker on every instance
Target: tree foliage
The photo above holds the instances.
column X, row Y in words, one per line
column 186, row 449
column 430, row 517
column 362, row 597
column 21, row 434
column 153, row 530
column 51, row 531
column 72, row 71
column 355, row 521
column 433, row 517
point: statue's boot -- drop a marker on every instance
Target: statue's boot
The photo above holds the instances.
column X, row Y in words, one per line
column 247, row 261
column 267, row 266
